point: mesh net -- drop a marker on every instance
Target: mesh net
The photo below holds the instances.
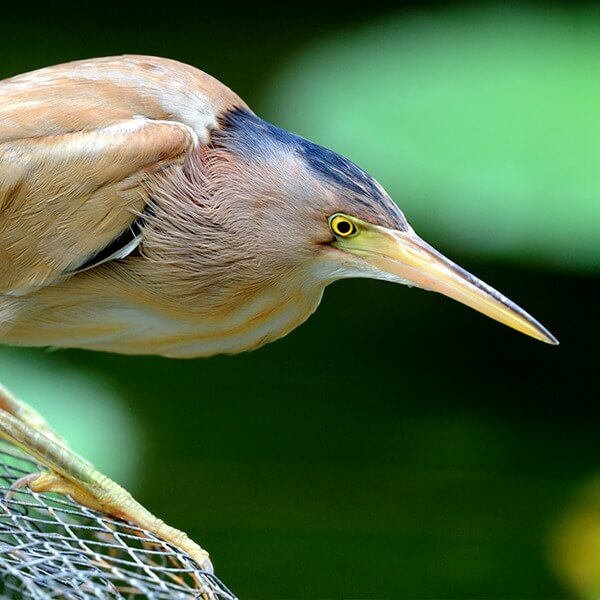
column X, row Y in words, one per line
column 52, row 547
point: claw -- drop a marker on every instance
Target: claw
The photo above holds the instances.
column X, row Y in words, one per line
column 21, row 483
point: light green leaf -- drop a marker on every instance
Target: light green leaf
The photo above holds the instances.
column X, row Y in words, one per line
column 483, row 124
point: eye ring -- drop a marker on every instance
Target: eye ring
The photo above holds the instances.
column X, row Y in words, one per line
column 342, row 226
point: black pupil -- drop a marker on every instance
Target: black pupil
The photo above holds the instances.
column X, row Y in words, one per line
column 344, row 227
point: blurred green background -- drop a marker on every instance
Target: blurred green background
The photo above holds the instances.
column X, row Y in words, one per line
column 436, row 454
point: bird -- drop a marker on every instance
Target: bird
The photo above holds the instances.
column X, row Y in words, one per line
column 146, row 209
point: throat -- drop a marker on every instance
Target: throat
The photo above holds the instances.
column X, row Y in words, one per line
column 139, row 324
column 267, row 317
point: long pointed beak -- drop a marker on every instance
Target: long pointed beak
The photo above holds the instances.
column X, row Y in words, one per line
column 405, row 256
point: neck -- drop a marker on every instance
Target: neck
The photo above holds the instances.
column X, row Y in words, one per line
column 110, row 314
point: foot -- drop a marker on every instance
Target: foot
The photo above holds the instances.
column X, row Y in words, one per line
column 71, row 475
column 106, row 496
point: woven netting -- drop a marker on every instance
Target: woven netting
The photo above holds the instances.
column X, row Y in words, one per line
column 52, row 547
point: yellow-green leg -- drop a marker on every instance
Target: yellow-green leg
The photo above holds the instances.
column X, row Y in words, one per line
column 72, row 475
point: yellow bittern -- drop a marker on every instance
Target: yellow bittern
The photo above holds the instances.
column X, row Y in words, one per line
column 145, row 209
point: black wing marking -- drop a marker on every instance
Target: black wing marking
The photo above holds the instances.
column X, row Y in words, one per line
column 123, row 245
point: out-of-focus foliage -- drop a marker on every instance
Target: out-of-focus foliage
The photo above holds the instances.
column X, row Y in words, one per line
column 575, row 542
column 483, row 124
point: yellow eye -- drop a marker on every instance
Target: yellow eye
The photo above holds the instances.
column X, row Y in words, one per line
column 342, row 226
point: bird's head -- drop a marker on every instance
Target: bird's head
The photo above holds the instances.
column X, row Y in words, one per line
column 309, row 205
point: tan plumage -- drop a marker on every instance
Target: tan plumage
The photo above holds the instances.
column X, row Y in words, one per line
column 82, row 146
column 76, row 143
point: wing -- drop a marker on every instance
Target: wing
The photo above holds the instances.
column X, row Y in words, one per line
column 77, row 142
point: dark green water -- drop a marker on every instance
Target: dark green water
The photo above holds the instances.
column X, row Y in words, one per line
column 428, row 456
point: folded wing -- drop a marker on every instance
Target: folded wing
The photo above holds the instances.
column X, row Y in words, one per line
column 77, row 143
